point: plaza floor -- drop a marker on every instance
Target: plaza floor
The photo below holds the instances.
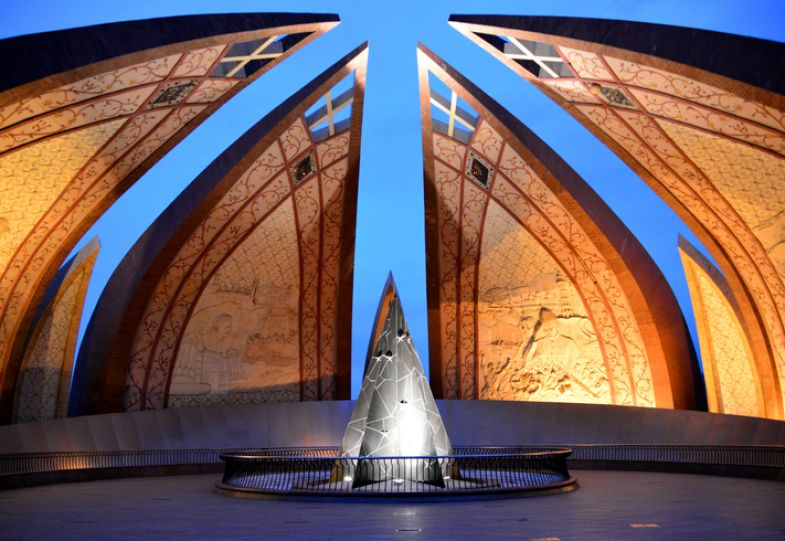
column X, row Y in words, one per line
column 607, row 506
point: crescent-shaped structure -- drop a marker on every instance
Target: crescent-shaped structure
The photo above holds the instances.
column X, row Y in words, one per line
column 45, row 374
column 732, row 382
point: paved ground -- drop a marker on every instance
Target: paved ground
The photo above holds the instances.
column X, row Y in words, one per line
column 609, row 505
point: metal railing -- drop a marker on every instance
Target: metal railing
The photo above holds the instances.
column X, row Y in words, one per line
column 31, row 463
column 723, row 455
column 469, row 471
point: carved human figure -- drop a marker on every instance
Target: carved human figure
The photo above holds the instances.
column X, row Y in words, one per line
column 556, row 360
column 208, row 363
column 220, row 360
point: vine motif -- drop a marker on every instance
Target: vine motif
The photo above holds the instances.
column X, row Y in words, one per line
column 270, row 163
column 679, row 86
column 745, row 252
column 74, row 117
column 448, row 187
column 308, row 214
column 198, row 62
column 113, row 81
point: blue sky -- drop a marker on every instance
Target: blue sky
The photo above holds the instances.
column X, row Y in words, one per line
column 391, row 164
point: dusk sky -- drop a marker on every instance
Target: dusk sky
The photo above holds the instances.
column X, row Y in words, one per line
column 390, row 217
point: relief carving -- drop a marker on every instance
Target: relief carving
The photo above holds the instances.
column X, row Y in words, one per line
column 594, row 353
column 539, row 344
column 243, row 334
column 245, row 342
column 721, row 156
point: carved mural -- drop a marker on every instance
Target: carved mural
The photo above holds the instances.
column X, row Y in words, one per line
column 536, row 341
column 529, row 307
column 243, row 334
column 247, row 308
column 70, row 151
column 719, row 153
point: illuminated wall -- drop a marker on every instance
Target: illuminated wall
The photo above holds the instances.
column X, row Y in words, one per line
column 531, row 295
column 45, row 374
column 732, row 383
column 242, row 304
column 705, row 139
column 73, row 141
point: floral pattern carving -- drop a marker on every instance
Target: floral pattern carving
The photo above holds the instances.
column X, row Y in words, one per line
column 308, row 208
column 332, row 149
column 711, row 120
column 449, row 150
column 732, row 380
column 487, row 141
column 295, row 140
column 92, row 87
column 198, row 62
column 210, row 90
column 634, row 74
column 586, row 65
column 572, row 90
column 243, row 213
column 333, row 180
column 623, row 375
column 448, row 189
column 108, row 102
column 116, row 105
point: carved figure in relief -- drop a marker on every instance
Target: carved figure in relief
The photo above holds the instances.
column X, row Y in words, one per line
column 209, row 362
column 542, row 345
column 239, row 339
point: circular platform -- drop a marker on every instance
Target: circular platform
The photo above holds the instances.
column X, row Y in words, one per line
column 471, row 472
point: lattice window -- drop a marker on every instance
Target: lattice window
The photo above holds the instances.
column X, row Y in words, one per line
column 451, row 116
column 247, row 57
column 541, row 59
column 333, row 112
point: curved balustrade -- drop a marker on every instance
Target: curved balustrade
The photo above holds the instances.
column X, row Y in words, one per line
column 748, row 461
column 471, row 471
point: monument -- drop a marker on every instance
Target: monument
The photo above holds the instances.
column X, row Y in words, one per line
column 702, row 127
column 536, row 289
column 395, row 414
column 234, row 294
column 396, row 443
column 84, row 113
